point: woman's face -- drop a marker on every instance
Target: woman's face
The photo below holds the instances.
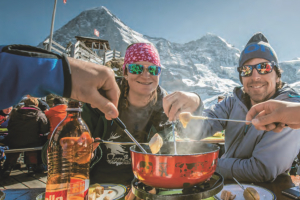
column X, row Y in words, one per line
column 7, row 110
column 143, row 84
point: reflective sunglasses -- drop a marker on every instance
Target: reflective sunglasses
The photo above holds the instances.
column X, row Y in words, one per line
column 262, row 68
column 138, row 69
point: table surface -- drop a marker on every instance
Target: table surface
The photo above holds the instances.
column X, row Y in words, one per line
column 22, row 186
column 23, row 194
column 282, row 182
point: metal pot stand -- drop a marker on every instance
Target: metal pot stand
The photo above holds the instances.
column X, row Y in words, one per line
column 200, row 191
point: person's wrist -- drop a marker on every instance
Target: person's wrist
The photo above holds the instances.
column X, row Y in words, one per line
column 197, row 101
column 67, row 77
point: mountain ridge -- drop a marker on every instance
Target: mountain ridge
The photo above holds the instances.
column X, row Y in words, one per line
column 206, row 66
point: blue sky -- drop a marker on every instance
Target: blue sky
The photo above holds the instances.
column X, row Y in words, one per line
column 28, row 21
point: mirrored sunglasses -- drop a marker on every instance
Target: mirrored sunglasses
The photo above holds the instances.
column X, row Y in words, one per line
column 138, row 69
column 262, row 68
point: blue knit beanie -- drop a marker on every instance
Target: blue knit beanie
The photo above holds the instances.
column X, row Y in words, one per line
column 258, row 47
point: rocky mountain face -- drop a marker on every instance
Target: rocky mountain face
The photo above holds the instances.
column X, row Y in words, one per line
column 206, row 66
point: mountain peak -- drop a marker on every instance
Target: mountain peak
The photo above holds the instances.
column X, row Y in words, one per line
column 102, row 10
column 213, row 38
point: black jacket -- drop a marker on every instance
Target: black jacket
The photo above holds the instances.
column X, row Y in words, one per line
column 25, row 127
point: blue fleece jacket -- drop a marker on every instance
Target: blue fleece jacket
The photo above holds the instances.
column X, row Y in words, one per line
column 31, row 70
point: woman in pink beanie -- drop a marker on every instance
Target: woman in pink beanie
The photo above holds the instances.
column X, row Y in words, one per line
column 141, row 109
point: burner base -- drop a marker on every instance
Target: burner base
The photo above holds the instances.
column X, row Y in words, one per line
column 200, row 191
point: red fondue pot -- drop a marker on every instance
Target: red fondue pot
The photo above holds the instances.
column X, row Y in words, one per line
column 195, row 163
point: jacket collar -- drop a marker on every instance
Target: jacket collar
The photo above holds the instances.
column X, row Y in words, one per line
column 284, row 93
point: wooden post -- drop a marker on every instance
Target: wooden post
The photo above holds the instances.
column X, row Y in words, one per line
column 46, row 46
column 114, row 53
column 52, row 25
column 104, row 57
column 72, row 51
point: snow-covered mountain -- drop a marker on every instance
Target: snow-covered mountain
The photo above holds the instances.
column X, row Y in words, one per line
column 206, row 66
column 109, row 26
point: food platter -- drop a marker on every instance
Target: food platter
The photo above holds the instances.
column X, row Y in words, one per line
column 264, row 193
column 111, row 191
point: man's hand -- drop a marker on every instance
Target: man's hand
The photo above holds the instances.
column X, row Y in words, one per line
column 178, row 102
column 87, row 79
column 273, row 111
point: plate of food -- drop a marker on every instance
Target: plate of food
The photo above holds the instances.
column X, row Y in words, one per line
column 106, row 191
column 234, row 191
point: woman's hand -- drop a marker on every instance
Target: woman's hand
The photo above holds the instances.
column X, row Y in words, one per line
column 178, row 102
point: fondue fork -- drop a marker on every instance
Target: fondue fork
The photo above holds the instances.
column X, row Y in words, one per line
column 185, row 117
column 229, row 120
column 173, row 130
column 119, row 143
column 123, row 127
column 239, row 184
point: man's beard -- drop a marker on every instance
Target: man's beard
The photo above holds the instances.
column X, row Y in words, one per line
column 259, row 99
column 256, row 101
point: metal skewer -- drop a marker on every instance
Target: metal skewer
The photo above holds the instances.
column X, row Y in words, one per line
column 122, row 126
column 230, row 120
column 119, row 143
column 173, row 129
column 239, row 184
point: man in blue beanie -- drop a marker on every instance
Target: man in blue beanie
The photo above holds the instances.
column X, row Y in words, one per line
column 250, row 154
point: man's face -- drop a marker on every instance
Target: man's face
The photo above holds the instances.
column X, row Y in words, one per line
column 260, row 87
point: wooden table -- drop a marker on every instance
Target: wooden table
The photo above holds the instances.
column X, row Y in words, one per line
column 23, row 194
column 282, row 182
column 22, row 186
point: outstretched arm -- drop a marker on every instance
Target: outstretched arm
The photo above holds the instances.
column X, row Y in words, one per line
column 265, row 115
column 30, row 70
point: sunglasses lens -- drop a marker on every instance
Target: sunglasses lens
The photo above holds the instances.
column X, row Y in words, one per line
column 154, row 70
column 246, row 70
column 135, row 68
column 264, row 68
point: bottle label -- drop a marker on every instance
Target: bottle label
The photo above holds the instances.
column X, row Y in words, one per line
column 57, row 195
column 79, row 188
